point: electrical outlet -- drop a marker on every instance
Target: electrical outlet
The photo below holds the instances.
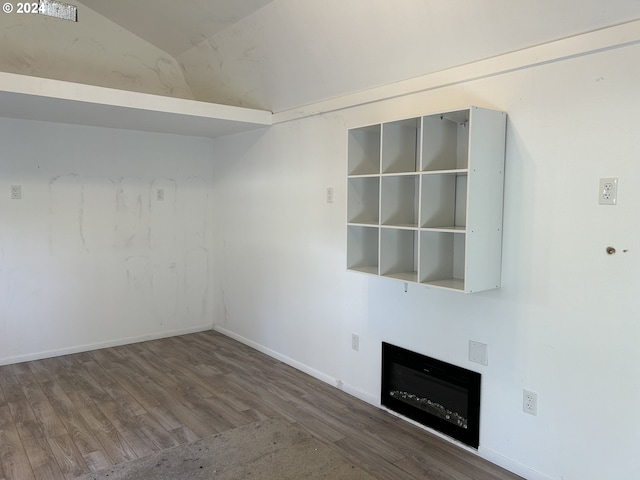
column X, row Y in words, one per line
column 16, row 192
column 530, row 402
column 355, row 342
column 608, row 191
column 160, row 194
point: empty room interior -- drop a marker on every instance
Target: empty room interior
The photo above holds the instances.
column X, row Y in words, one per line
column 338, row 214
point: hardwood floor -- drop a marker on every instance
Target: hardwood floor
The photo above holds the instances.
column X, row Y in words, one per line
column 63, row 417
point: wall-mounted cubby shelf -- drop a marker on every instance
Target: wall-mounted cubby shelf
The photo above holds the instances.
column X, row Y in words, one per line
column 425, row 199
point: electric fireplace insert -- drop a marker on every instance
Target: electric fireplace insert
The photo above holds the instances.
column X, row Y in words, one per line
column 436, row 394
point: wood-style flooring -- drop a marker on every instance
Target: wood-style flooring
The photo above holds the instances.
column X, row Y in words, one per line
column 66, row 416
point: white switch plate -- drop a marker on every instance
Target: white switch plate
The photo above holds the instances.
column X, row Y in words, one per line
column 355, row 342
column 478, row 352
column 329, row 194
column 608, row 193
column 16, row 192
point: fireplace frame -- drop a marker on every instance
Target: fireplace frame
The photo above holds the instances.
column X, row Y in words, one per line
column 441, row 371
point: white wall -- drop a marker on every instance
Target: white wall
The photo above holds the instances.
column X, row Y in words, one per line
column 88, row 256
column 564, row 323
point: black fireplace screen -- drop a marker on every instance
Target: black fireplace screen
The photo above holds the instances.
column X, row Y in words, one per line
column 434, row 393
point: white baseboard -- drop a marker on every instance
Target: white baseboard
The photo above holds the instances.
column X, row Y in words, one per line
column 512, row 466
column 482, row 452
column 99, row 345
column 351, row 390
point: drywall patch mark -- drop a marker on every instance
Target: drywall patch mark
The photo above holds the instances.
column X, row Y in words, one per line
column 162, row 215
column 164, row 284
column 65, row 212
column 98, row 214
column 194, row 199
column 130, row 198
column 139, row 281
column 196, row 284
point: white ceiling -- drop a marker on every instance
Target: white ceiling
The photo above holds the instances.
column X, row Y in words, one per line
column 175, row 25
column 282, row 54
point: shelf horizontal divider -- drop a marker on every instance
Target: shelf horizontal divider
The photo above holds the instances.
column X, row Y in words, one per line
column 365, row 175
column 444, row 229
column 371, row 270
column 448, row 283
column 405, row 276
column 455, row 171
column 363, row 224
column 401, row 174
column 400, row 227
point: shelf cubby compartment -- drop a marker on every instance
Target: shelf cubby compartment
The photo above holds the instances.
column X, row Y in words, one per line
column 399, row 200
column 400, row 146
column 362, row 249
column 364, row 150
column 445, row 141
column 442, row 259
column 363, row 200
column 443, row 201
column 399, row 254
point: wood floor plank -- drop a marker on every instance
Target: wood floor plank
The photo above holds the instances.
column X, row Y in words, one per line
column 114, row 390
column 112, row 442
column 69, row 458
column 158, row 437
column 3, row 399
column 361, row 453
column 84, row 377
column 77, row 428
column 97, row 461
column 5, row 370
column 13, row 457
column 41, row 458
column 40, row 371
column 20, row 368
column 16, row 400
column 184, row 435
column 41, row 407
column 125, row 425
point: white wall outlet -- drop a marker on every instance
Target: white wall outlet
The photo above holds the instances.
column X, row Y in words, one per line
column 530, row 402
column 355, row 342
column 478, row 352
column 160, row 194
column 329, row 194
column 608, row 191
column 16, row 192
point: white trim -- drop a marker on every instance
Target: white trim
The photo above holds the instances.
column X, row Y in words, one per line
column 608, row 38
column 99, row 345
column 351, row 390
column 508, row 464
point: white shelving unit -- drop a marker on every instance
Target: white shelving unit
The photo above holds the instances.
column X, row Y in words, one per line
column 425, row 199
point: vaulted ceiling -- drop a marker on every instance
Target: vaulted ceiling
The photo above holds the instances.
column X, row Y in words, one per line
column 282, row 54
